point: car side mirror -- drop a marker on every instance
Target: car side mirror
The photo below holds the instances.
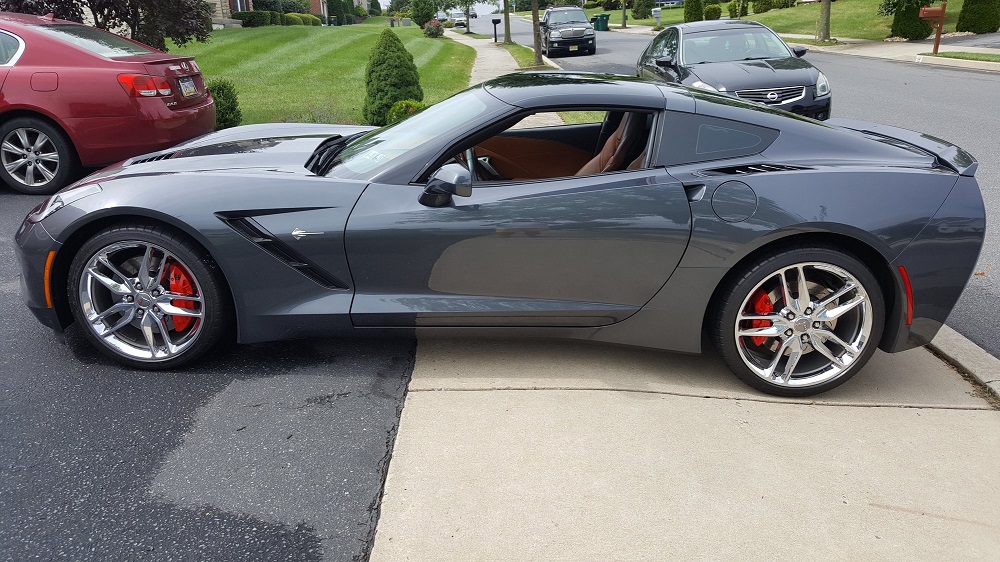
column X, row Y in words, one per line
column 665, row 61
column 800, row 51
column 451, row 179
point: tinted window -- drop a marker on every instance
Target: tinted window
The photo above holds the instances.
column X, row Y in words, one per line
column 568, row 16
column 689, row 138
column 8, row 48
column 94, row 40
column 733, row 45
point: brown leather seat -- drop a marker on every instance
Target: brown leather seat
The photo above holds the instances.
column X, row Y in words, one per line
column 616, row 149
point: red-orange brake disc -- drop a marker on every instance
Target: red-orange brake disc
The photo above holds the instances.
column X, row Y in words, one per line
column 180, row 284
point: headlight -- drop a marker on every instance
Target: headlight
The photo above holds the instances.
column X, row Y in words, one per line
column 588, row 31
column 555, row 35
column 704, row 86
column 822, row 85
column 63, row 198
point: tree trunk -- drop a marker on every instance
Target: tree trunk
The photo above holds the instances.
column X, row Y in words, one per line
column 624, row 14
column 506, row 22
column 824, row 21
column 537, row 32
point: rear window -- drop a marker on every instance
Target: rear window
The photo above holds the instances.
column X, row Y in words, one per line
column 95, row 40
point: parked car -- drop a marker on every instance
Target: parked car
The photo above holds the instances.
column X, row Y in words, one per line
column 458, row 18
column 670, row 3
column 567, row 30
column 441, row 17
column 472, row 13
column 682, row 213
column 76, row 97
column 741, row 58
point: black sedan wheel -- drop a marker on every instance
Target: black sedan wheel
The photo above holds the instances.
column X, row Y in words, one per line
column 37, row 158
column 801, row 321
column 147, row 297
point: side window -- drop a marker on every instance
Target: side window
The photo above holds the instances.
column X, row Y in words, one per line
column 670, row 46
column 8, row 48
column 656, row 48
column 558, row 144
column 698, row 138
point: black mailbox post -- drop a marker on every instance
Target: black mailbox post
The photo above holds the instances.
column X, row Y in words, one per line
column 496, row 22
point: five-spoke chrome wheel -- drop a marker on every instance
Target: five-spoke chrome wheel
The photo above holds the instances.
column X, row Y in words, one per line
column 801, row 321
column 147, row 297
column 29, row 156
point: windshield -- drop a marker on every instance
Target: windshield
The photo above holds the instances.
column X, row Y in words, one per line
column 94, row 40
column 732, row 45
column 458, row 15
column 374, row 152
column 568, row 16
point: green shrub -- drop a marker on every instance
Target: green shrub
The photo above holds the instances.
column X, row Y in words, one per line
column 309, row 19
column 979, row 16
column 736, row 5
column 374, row 8
column 708, row 2
column 658, row 28
column 608, row 5
column 642, row 9
column 906, row 23
column 316, row 20
column 348, row 11
column 591, row 5
column 403, row 109
column 227, row 104
column 449, row 24
column 253, row 19
column 694, row 10
column 360, row 12
column 423, row 11
column 713, row 12
column 390, row 77
column 286, row 6
column 336, row 10
column 275, row 17
column 433, row 29
column 761, row 6
column 290, row 19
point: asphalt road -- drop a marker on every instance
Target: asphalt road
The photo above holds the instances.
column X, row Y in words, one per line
column 957, row 105
column 265, row 452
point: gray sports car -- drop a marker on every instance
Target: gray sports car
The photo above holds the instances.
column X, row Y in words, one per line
column 664, row 214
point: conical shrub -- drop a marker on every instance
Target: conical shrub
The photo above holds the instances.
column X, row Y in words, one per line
column 390, row 77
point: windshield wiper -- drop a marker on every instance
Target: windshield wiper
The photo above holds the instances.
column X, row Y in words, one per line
column 321, row 161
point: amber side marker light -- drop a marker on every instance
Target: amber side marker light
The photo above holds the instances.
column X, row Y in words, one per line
column 909, row 295
column 47, row 274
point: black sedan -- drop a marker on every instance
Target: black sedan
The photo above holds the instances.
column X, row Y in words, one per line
column 797, row 247
column 742, row 58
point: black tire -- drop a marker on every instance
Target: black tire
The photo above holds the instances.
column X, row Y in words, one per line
column 124, row 338
column 592, row 51
column 43, row 140
column 754, row 289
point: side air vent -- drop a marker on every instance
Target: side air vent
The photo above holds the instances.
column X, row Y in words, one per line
column 751, row 169
column 153, row 158
column 255, row 233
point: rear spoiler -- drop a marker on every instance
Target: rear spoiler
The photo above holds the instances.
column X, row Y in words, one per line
column 948, row 154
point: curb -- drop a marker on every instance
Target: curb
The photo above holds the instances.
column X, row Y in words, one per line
column 846, row 49
column 968, row 357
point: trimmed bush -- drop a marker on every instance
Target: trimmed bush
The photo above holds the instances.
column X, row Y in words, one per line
column 227, row 104
column 336, row 10
column 286, row 6
column 694, row 10
column 309, row 19
column 591, row 5
column 360, row 12
column 317, row 21
column 979, row 16
column 390, row 77
column 448, row 24
column 290, row 19
column 433, row 29
column 761, row 6
column 906, row 23
column 713, row 12
column 735, row 5
column 374, row 8
column 403, row 109
column 253, row 19
column 642, row 9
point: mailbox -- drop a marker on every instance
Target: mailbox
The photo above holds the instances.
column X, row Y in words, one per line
column 935, row 16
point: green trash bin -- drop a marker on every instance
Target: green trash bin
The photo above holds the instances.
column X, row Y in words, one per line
column 602, row 22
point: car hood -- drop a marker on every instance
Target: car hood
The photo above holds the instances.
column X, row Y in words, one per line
column 755, row 74
column 282, row 147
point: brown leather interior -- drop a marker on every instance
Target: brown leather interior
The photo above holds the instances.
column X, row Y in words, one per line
column 637, row 163
column 612, row 156
column 525, row 158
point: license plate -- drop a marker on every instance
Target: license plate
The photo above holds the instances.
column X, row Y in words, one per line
column 573, row 47
column 188, row 88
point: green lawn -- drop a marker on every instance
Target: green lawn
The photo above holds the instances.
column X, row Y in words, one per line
column 855, row 19
column 987, row 57
column 316, row 74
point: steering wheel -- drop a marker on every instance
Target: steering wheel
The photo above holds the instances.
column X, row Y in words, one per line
column 470, row 158
column 756, row 53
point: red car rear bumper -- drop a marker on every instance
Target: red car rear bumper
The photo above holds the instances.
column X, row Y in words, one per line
column 105, row 140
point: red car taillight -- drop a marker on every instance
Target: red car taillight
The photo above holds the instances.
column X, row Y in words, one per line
column 144, row 86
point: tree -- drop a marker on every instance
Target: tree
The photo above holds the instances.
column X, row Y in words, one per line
column 906, row 20
column 150, row 21
column 422, row 11
column 506, row 23
column 349, row 11
column 335, row 9
column 979, row 16
column 642, row 9
column 536, row 33
column 824, row 21
column 694, row 10
column 374, row 8
column 390, row 77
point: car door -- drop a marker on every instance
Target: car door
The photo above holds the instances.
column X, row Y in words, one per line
column 566, row 251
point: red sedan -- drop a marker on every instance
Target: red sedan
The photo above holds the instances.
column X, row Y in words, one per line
column 73, row 96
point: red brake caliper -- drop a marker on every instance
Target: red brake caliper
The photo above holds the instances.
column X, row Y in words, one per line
column 761, row 305
column 180, row 284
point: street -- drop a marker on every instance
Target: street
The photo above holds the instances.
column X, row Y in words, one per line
column 279, row 451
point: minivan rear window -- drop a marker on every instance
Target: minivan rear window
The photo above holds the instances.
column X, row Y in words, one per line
column 95, row 40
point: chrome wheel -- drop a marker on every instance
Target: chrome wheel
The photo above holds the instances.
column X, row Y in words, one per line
column 141, row 301
column 804, row 325
column 29, row 156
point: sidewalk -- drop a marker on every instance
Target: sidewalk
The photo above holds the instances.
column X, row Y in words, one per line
column 514, row 450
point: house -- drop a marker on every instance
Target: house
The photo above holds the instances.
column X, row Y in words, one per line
column 224, row 8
